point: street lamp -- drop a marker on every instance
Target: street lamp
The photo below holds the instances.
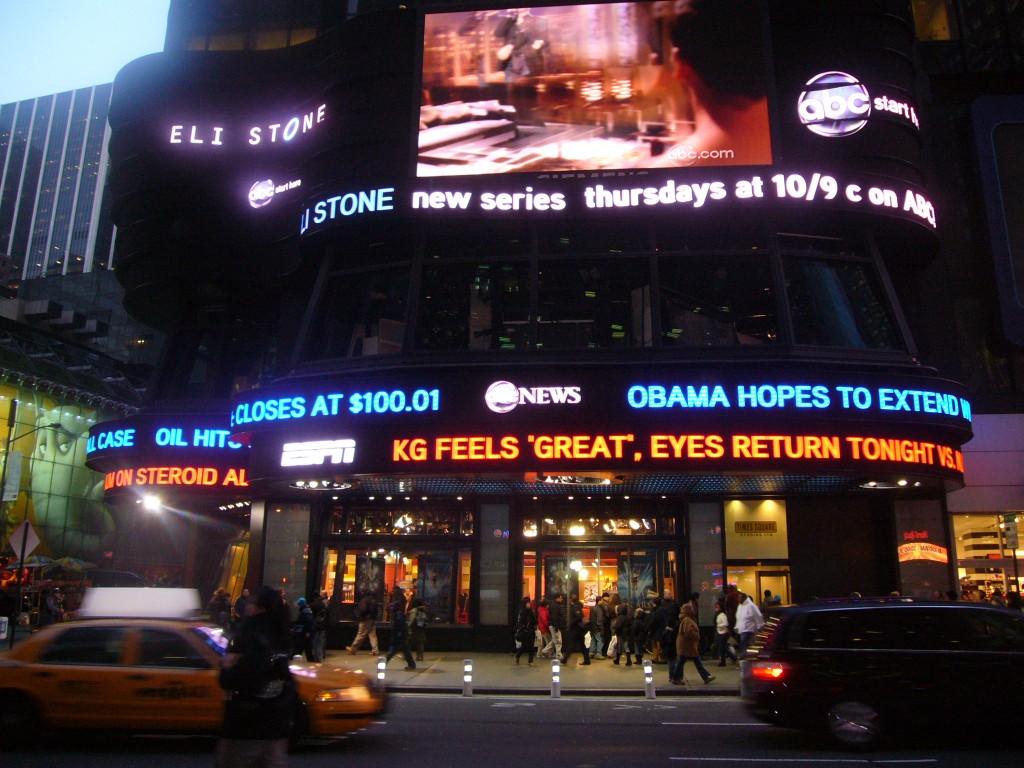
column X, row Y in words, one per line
column 11, row 418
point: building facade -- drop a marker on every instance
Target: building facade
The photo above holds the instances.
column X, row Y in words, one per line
column 479, row 304
column 52, row 171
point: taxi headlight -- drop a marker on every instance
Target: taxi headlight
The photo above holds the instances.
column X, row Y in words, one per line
column 352, row 693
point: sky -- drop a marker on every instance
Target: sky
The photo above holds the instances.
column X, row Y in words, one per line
column 49, row 46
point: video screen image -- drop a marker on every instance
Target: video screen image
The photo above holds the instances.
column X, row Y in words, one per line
column 594, row 87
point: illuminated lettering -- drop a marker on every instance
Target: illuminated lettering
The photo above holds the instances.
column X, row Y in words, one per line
column 657, row 396
column 892, row 449
column 317, row 452
column 269, row 410
column 516, row 201
column 476, row 448
column 175, row 476
column 670, row 193
column 409, row 449
column 580, row 446
column 768, row 396
column 785, row 446
column 292, row 126
column 687, row 447
column 116, row 438
column 326, row 405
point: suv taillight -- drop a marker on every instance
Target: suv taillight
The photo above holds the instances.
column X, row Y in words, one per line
column 767, row 670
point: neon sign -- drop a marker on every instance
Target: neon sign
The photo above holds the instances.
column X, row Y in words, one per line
column 799, row 396
column 283, row 131
column 837, row 104
column 296, row 406
column 655, row 189
column 503, row 396
column 316, row 452
column 685, row 451
column 175, row 476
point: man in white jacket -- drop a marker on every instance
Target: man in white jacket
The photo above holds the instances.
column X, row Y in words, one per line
column 748, row 621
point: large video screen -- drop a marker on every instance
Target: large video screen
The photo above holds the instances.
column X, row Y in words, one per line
column 594, row 87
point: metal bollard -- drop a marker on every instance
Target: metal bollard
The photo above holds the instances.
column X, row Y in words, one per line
column 467, row 677
column 382, row 664
column 556, row 679
column 649, row 691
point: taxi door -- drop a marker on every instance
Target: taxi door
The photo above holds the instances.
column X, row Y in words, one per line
column 76, row 678
column 171, row 682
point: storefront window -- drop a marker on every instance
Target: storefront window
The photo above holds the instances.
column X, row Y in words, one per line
column 598, row 526
column 635, row 575
column 717, row 300
column 985, row 559
column 440, row 577
column 399, row 522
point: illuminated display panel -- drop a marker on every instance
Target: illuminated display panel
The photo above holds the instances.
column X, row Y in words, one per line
column 592, row 87
column 165, row 452
column 576, row 420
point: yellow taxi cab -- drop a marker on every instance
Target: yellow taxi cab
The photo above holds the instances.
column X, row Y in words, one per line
column 142, row 671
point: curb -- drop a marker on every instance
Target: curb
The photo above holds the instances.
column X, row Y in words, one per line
column 703, row 690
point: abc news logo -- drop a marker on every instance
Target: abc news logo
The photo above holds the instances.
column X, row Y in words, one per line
column 834, row 104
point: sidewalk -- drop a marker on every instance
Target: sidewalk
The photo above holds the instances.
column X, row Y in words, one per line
column 497, row 673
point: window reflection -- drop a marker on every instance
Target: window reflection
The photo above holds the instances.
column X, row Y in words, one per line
column 717, row 300
column 594, row 303
column 838, row 303
column 474, row 306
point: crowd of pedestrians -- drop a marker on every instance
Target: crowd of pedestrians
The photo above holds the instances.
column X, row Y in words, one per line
column 560, row 627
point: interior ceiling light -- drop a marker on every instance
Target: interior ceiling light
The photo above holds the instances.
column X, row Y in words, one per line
column 320, row 485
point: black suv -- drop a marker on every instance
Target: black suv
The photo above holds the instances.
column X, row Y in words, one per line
column 863, row 667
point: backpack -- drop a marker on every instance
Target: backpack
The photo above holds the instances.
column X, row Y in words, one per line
column 421, row 618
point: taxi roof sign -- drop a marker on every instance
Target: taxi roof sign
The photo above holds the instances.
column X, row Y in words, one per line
column 139, row 603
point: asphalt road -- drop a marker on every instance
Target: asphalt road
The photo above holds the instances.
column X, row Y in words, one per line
column 441, row 731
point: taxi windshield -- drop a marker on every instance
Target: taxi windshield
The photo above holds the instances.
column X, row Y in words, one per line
column 214, row 637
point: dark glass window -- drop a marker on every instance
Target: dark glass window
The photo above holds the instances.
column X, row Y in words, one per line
column 717, row 300
column 838, row 303
column 474, row 306
column 594, row 303
column 161, row 648
column 361, row 314
column 86, row 645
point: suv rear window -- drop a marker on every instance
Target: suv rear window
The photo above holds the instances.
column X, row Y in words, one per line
column 921, row 628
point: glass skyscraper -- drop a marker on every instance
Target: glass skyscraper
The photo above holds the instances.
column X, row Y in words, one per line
column 53, row 158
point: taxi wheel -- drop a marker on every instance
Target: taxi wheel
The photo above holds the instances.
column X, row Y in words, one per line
column 300, row 724
column 854, row 724
column 19, row 715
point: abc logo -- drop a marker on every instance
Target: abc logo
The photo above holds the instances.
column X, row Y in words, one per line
column 835, row 104
column 502, row 396
column 261, row 193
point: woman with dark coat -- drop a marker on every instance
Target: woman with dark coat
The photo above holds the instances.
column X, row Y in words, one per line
column 261, row 693
column 526, row 632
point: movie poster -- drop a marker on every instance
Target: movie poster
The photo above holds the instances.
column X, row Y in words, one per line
column 636, row 579
column 559, row 579
column 436, row 584
column 370, row 579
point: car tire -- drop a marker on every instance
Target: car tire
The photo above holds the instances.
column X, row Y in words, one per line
column 299, row 725
column 19, row 715
column 854, row 724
